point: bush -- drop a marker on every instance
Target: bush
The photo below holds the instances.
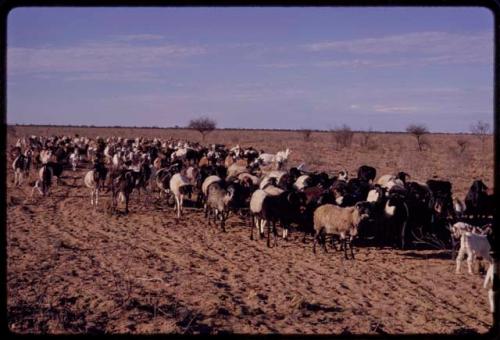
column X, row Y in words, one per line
column 342, row 136
column 306, row 134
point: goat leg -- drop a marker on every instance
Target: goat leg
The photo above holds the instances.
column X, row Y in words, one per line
column 344, row 242
column 252, row 226
column 314, row 243
column 275, row 234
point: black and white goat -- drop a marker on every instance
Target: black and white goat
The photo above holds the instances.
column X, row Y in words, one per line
column 44, row 180
column 94, row 180
column 21, row 167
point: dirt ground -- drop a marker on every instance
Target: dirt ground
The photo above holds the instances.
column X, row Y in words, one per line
column 71, row 269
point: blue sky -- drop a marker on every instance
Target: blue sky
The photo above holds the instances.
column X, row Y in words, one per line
column 316, row 67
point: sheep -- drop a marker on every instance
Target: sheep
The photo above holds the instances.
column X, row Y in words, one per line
column 207, row 182
column 387, row 181
column 471, row 244
column 283, row 208
column 246, row 175
column 234, row 170
column 217, row 202
column 256, row 201
column 280, row 177
column 334, row 220
column 180, row 186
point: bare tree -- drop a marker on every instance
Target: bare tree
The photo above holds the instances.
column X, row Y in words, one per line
column 342, row 136
column 418, row 130
column 481, row 130
column 203, row 125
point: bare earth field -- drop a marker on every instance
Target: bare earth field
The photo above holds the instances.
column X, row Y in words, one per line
column 71, row 269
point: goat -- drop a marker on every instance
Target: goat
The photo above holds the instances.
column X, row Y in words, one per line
column 471, row 244
column 44, row 180
column 74, row 159
column 180, row 186
column 94, row 180
column 122, row 186
column 21, row 167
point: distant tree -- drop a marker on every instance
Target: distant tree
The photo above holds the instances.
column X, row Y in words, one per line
column 481, row 130
column 203, row 125
column 306, row 134
column 418, row 130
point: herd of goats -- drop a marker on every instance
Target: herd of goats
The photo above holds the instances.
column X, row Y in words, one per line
column 391, row 210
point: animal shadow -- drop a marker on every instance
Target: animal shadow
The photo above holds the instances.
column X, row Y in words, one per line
column 442, row 255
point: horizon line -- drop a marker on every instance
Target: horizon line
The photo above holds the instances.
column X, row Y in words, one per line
column 333, row 130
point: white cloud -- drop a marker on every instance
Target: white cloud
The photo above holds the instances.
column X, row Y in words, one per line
column 424, row 42
column 108, row 57
column 138, row 37
column 279, row 65
column 394, row 109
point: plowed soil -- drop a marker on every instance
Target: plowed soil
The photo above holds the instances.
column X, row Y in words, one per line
column 72, row 269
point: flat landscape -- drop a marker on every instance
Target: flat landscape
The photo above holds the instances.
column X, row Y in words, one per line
column 72, row 269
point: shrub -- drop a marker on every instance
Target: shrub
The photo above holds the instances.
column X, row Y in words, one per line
column 342, row 136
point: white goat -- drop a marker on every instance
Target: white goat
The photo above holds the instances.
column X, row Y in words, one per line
column 180, row 186
column 279, row 158
column 471, row 244
column 91, row 181
column 75, row 159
